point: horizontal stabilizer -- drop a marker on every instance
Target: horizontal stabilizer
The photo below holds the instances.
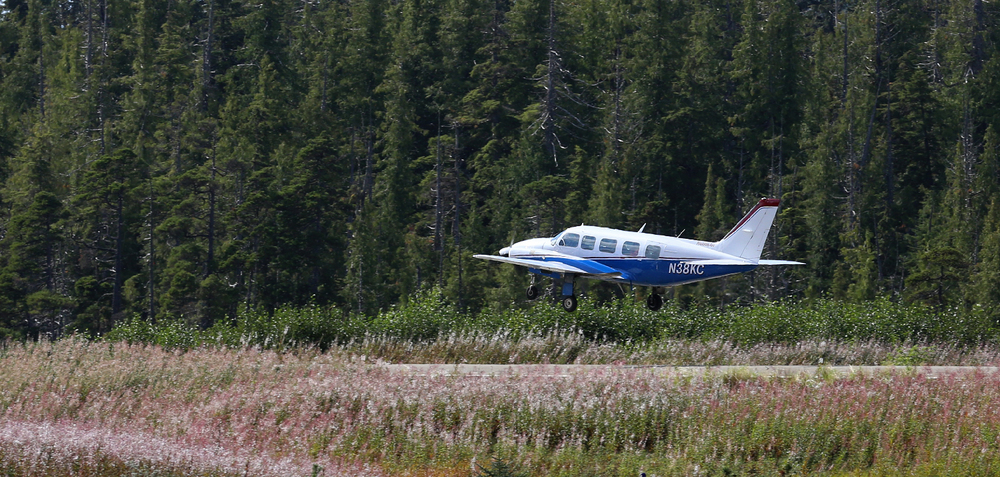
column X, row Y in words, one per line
column 778, row 262
column 719, row 262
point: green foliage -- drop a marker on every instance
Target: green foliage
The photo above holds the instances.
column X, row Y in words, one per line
column 499, row 468
column 940, row 272
column 913, row 356
column 427, row 318
column 987, row 272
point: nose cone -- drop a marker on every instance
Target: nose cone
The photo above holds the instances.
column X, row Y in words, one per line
column 524, row 247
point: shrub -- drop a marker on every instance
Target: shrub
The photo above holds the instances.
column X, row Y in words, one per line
column 427, row 317
column 499, row 468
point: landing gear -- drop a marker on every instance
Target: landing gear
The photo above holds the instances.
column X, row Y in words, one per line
column 654, row 301
column 569, row 302
column 532, row 292
column 568, row 299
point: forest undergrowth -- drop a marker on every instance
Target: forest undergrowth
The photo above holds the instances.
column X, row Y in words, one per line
column 428, row 329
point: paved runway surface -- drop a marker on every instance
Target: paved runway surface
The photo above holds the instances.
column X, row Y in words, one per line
column 568, row 370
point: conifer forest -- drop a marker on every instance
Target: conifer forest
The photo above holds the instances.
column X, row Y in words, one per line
column 189, row 158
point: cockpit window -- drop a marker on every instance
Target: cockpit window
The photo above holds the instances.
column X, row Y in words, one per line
column 570, row 240
column 588, row 242
column 630, row 249
column 653, row 251
column 608, row 245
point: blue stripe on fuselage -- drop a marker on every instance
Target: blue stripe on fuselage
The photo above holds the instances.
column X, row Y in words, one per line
column 664, row 273
column 650, row 272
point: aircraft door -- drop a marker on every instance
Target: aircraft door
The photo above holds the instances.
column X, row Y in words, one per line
column 651, row 254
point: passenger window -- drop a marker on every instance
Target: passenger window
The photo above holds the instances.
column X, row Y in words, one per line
column 608, row 245
column 653, row 251
column 630, row 249
column 588, row 242
column 572, row 240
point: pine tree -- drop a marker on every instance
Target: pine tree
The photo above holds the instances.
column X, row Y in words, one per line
column 938, row 277
column 107, row 216
column 986, row 273
column 767, row 73
column 619, row 174
column 690, row 98
column 311, row 226
column 30, row 271
column 856, row 277
column 714, row 216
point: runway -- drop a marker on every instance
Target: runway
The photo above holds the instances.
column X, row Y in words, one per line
column 569, row 370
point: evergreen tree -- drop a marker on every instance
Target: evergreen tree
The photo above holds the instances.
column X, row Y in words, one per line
column 713, row 219
column 689, row 95
column 106, row 209
column 30, row 271
column 619, row 171
column 311, row 226
column 767, row 73
column 986, row 273
column 938, row 277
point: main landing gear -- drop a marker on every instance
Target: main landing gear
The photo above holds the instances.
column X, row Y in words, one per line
column 532, row 292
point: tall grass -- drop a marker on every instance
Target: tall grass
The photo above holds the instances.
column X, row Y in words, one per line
column 222, row 412
column 67, row 449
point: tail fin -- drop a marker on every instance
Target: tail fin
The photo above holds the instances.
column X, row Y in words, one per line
column 746, row 240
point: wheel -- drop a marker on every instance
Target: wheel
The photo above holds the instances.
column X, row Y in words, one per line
column 532, row 292
column 654, row 302
column 569, row 303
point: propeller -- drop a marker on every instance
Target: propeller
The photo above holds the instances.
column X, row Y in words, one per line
column 506, row 250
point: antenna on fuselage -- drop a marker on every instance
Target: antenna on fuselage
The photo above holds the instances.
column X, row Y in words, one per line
column 682, row 232
column 642, row 228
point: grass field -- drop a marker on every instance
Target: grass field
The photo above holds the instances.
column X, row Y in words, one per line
column 76, row 407
column 300, row 391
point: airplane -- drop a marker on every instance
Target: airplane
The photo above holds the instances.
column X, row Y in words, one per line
column 642, row 259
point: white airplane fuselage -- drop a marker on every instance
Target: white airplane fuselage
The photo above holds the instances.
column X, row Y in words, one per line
column 640, row 258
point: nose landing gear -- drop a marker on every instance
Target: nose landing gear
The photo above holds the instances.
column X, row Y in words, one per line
column 568, row 299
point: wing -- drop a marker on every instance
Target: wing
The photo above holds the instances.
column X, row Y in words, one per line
column 561, row 264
